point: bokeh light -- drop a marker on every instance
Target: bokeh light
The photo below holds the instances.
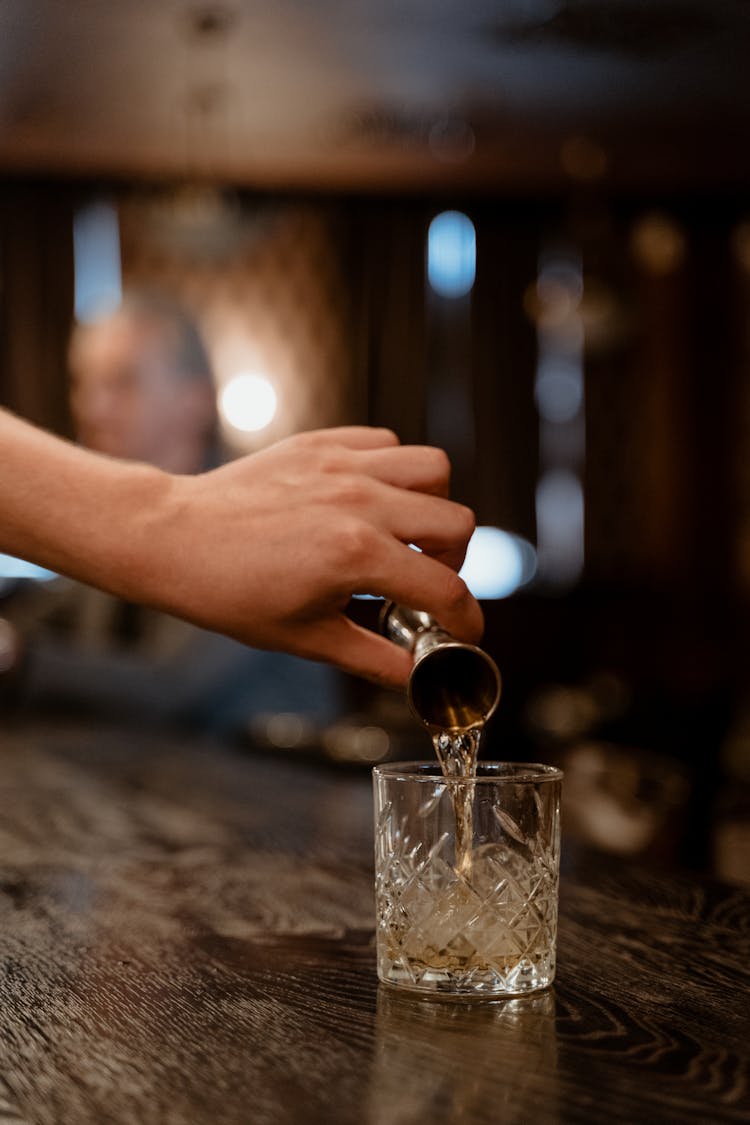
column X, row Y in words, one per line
column 741, row 245
column 583, row 159
column 451, row 254
column 13, row 569
column 96, row 250
column 497, row 563
column 248, row 402
column 658, row 244
column 559, row 389
column 559, row 518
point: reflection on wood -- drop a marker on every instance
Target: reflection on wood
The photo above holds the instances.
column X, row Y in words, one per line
column 187, row 937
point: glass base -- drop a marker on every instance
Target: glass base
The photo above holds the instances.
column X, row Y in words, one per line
column 469, row 983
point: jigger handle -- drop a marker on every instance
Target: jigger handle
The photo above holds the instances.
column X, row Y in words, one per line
column 452, row 685
column 404, row 626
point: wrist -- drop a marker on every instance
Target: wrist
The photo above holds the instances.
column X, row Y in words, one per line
column 78, row 513
column 125, row 547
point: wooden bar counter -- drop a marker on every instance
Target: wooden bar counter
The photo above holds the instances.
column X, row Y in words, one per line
column 186, row 936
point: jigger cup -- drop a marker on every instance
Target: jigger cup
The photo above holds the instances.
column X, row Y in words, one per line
column 453, row 686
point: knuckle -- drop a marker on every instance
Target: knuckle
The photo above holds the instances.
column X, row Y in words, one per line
column 355, row 543
column 328, row 462
column 350, row 491
column 310, row 437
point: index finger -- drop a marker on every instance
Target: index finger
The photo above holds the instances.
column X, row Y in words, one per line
column 417, row 580
column 355, row 437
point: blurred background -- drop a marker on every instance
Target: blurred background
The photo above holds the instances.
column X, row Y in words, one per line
column 520, row 231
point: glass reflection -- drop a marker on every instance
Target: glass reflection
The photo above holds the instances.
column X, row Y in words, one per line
column 448, row 1061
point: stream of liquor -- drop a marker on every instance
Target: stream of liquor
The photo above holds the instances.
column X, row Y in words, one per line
column 457, row 752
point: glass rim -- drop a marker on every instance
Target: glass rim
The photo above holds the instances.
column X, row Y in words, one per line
column 516, row 772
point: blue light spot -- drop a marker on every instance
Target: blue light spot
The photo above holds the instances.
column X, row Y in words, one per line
column 451, row 254
column 497, row 563
column 96, row 250
column 13, row 568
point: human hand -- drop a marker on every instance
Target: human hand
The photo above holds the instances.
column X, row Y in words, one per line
column 270, row 548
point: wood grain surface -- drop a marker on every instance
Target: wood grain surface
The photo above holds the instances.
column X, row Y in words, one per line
column 186, row 936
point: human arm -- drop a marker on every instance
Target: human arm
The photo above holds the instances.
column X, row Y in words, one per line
column 267, row 549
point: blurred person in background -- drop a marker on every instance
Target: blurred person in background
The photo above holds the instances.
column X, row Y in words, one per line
column 141, row 389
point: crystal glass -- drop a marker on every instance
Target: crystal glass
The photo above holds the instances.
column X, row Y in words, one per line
column 466, row 877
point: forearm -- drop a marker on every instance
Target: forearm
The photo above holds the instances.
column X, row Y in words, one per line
column 73, row 511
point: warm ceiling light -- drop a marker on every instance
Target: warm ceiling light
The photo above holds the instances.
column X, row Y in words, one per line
column 248, row 402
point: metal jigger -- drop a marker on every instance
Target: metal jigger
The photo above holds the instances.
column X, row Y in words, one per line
column 452, row 686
